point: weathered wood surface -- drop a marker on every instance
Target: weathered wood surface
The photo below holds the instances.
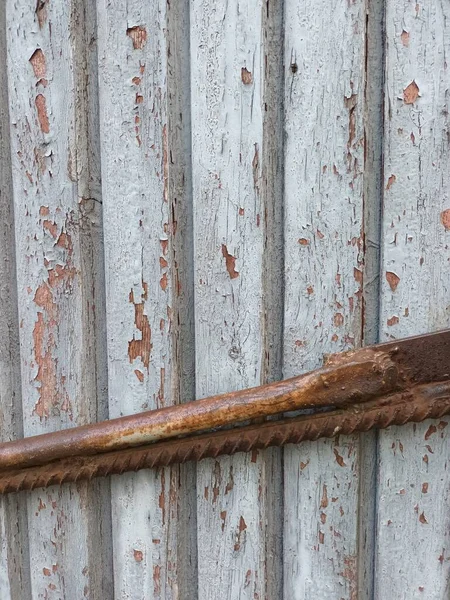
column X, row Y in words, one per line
column 324, row 245
column 14, row 559
column 412, row 554
column 56, row 282
column 228, row 153
column 228, row 79
column 143, row 283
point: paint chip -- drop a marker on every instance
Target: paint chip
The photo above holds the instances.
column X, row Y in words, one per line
column 41, row 12
column 38, row 63
column 392, row 321
column 392, row 179
column 138, row 35
column 423, row 519
column 230, row 262
column 142, row 347
column 338, row 319
column 340, row 461
column 411, row 93
column 445, row 218
column 246, row 76
column 392, row 279
column 41, row 107
column 405, row 38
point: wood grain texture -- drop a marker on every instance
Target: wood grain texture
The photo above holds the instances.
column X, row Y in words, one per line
column 228, row 71
column 14, row 559
column 143, row 199
column 56, row 277
column 412, row 555
column 373, row 193
column 182, row 273
column 324, row 160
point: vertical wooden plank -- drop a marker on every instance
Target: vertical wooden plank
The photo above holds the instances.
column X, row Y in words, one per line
column 413, row 489
column 373, row 186
column 182, row 273
column 229, row 65
column 272, row 295
column 324, row 149
column 14, row 559
column 56, row 281
column 143, row 279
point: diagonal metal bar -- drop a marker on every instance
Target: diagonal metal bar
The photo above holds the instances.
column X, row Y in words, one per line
column 407, row 380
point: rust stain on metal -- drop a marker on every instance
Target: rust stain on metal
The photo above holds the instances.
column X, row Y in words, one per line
column 389, row 384
column 230, row 262
column 140, row 348
column 41, row 108
column 138, row 35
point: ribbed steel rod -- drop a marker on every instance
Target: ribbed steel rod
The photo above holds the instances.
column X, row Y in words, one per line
column 422, row 402
column 407, row 380
column 353, row 377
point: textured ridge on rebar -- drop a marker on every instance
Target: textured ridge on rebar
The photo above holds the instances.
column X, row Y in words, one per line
column 418, row 404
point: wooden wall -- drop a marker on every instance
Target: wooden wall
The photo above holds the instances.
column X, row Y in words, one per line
column 200, row 196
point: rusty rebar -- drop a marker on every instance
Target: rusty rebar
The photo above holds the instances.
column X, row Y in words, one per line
column 348, row 378
column 423, row 402
column 388, row 384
